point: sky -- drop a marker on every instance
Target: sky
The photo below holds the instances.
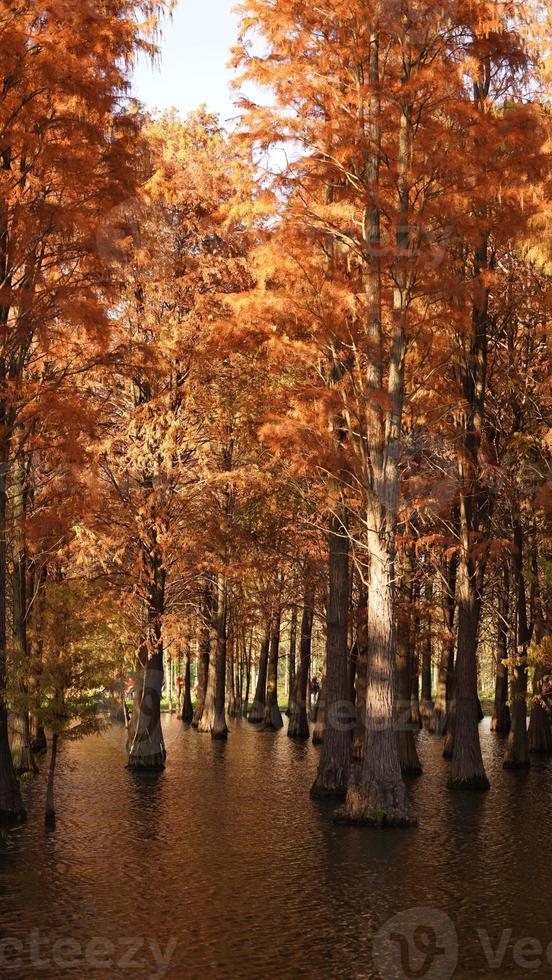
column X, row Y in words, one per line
column 195, row 50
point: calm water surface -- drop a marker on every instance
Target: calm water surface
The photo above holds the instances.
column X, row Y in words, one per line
column 225, row 858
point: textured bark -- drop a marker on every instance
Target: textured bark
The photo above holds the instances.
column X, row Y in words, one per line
column 360, row 677
column 517, row 749
column 501, row 711
column 335, row 756
column 257, row 711
column 376, row 794
column 187, row 706
column 272, row 714
column 298, row 721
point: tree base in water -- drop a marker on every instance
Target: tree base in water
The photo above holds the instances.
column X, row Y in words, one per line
column 256, row 714
column 23, row 760
column 475, row 783
column 12, row 818
column 319, row 791
column 378, row 806
column 141, row 760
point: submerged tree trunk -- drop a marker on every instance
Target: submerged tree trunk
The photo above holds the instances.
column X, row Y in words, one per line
column 335, row 757
column 257, row 711
column 298, row 721
column 501, row 712
column 12, row 810
column 50, row 815
column 187, row 706
column 517, row 749
column 273, row 716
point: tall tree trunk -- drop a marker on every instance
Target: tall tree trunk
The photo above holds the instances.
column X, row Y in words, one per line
column 318, row 714
column 291, row 658
column 410, row 763
column 187, row 706
column 376, row 794
column 298, row 721
column 147, row 745
column 360, row 676
column 11, row 805
column 426, row 707
column 445, row 675
column 219, row 729
column 468, row 771
column 257, row 711
column 540, row 729
column 204, row 654
column 273, row 716
column 517, row 749
column 22, row 753
column 335, row 756
column 501, row 712
column 249, row 653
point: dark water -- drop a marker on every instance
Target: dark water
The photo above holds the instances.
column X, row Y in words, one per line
column 223, row 865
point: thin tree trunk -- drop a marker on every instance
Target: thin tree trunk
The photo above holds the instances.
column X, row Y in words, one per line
column 273, row 716
column 204, row 655
column 335, row 757
column 517, row 749
column 187, row 706
column 291, row 658
column 11, row 805
column 147, row 745
column 22, row 753
column 427, row 706
column 298, row 721
column 50, row 815
column 410, row 763
column 257, row 711
column 501, row 712
column 219, row 728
